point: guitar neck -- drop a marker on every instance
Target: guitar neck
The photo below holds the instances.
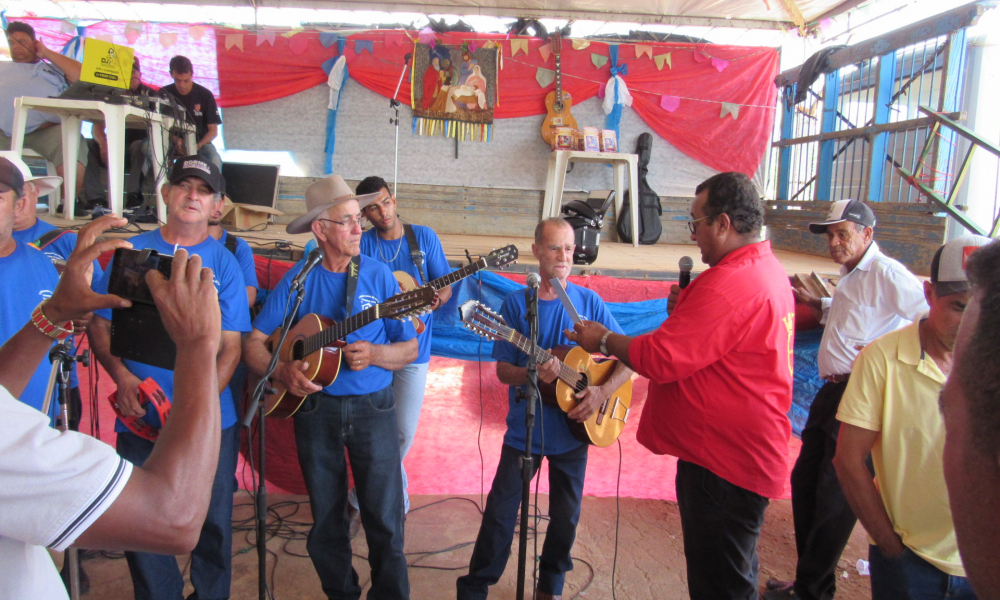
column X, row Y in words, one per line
column 458, row 275
column 566, row 374
column 340, row 330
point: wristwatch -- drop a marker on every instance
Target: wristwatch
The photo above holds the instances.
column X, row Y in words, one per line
column 604, row 343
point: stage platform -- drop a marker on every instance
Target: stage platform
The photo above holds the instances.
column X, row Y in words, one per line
column 657, row 262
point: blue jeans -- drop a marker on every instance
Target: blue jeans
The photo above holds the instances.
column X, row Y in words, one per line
column 721, row 524
column 408, row 386
column 489, row 558
column 365, row 426
column 910, row 577
column 156, row 576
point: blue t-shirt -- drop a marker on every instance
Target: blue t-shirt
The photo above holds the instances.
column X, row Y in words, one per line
column 552, row 321
column 435, row 265
column 232, row 301
column 325, row 294
column 38, row 79
column 29, row 278
column 244, row 256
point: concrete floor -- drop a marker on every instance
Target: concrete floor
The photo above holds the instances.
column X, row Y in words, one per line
column 650, row 562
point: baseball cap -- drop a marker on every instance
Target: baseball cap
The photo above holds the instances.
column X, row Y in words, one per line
column 196, row 166
column 11, row 178
column 45, row 183
column 854, row 211
column 948, row 264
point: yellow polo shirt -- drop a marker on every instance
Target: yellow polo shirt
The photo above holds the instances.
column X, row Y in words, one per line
column 894, row 390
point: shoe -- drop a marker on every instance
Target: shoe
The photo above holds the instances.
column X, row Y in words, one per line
column 540, row 595
column 785, row 593
column 778, row 584
column 354, row 516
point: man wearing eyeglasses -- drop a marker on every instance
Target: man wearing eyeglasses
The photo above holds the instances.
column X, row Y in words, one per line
column 720, row 371
column 192, row 195
column 357, row 412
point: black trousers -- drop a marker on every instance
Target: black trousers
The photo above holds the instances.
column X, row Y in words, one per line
column 823, row 518
column 721, row 523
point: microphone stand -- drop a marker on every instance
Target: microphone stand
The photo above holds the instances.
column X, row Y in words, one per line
column 257, row 405
column 527, row 460
column 394, row 104
column 62, row 359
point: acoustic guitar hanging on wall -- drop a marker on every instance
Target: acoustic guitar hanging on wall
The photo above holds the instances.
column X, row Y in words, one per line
column 557, row 102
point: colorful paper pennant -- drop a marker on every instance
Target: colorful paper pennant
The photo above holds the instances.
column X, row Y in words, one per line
column 234, row 39
column 362, row 45
column 545, row 77
column 720, row 64
column 598, row 60
column 68, row 27
column 298, row 44
column 132, row 32
column 197, row 32
column 700, row 57
column 728, row 108
column 663, row 59
column 517, row 45
column 426, row 36
column 265, row 36
column 545, row 51
column 328, row 38
column 579, row 44
column 641, row 49
column 472, row 46
column 167, row 39
column 292, row 32
column 669, row 103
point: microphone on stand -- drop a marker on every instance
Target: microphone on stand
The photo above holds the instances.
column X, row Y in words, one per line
column 534, row 280
column 685, row 264
column 315, row 257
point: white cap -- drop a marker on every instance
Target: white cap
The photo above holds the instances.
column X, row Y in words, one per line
column 45, row 183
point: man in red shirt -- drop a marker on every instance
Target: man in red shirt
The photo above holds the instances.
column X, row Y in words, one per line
column 720, row 373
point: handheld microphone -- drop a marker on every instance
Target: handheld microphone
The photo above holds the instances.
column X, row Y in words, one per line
column 534, row 280
column 685, row 264
column 315, row 257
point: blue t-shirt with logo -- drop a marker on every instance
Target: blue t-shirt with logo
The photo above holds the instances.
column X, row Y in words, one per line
column 325, row 295
column 29, row 278
column 232, row 301
column 244, row 256
column 552, row 322
column 396, row 255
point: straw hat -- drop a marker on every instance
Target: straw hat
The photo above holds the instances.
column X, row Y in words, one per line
column 323, row 194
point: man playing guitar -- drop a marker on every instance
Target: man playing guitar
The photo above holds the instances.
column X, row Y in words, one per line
column 567, row 455
column 357, row 411
column 400, row 246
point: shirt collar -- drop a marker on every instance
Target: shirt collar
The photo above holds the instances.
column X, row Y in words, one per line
column 910, row 352
column 866, row 260
column 748, row 252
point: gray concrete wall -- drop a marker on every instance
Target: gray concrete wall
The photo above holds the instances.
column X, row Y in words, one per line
column 517, row 158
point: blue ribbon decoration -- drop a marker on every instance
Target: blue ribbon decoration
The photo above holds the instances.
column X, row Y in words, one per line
column 614, row 118
column 331, row 126
column 74, row 47
column 3, row 19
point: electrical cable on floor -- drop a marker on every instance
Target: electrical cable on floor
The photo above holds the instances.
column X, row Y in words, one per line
column 618, row 513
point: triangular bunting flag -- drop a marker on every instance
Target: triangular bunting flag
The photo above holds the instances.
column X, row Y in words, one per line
column 298, row 44
column 669, row 103
column 132, row 32
column 545, row 51
column 234, row 39
column 728, row 108
column 265, row 36
column 545, row 77
column 598, row 60
column 68, row 27
column 328, row 38
column 291, row 32
column 699, row 57
column 580, row 44
column 661, row 59
column 196, row 32
column 426, row 36
column 167, row 39
column 518, row 45
column 472, row 46
column 641, row 49
column 719, row 64
column 362, row 45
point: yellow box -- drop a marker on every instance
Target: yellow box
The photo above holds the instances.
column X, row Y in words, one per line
column 107, row 64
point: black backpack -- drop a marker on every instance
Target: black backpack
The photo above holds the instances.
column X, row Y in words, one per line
column 650, row 209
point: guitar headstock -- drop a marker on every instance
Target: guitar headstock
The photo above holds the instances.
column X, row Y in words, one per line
column 407, row 304
column 483, row 321
column 502, row 257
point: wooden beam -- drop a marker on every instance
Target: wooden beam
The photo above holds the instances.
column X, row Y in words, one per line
column 793, row 11
column 869, row 130
column 942, row 24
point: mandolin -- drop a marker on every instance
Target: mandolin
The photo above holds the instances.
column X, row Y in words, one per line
column 557, row 102
column 577, row 370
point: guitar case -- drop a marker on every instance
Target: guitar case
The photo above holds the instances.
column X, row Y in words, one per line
column 650, row 209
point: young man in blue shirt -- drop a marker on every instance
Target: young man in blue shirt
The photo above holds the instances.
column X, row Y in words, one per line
column 388, row 241
column 567, row 455
column 357, row 411
column 192, row 195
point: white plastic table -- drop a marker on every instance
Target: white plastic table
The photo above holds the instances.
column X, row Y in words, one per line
column 556, row 178
column 117, row 117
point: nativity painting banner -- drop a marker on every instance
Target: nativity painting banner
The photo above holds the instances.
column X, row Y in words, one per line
column 454, row 90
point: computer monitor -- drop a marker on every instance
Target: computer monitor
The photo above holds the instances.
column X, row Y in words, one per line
column 251, row 184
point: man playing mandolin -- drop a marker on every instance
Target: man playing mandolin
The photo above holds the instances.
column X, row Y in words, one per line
column 356, row 411
column 567, row 455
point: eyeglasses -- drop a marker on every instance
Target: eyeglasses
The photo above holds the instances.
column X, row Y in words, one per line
column 691, row 224
column 348, row 223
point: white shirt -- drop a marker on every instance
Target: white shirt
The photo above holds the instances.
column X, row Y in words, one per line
column 880, row 295
column 53, row 486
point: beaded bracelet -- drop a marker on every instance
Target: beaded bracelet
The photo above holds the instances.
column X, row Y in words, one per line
column 39, row 320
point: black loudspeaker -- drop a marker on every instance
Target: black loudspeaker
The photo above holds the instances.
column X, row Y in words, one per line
column 587, row 219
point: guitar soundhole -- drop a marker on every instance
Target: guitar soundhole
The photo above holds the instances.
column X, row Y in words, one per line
column 297, row 350
column 583, row 383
